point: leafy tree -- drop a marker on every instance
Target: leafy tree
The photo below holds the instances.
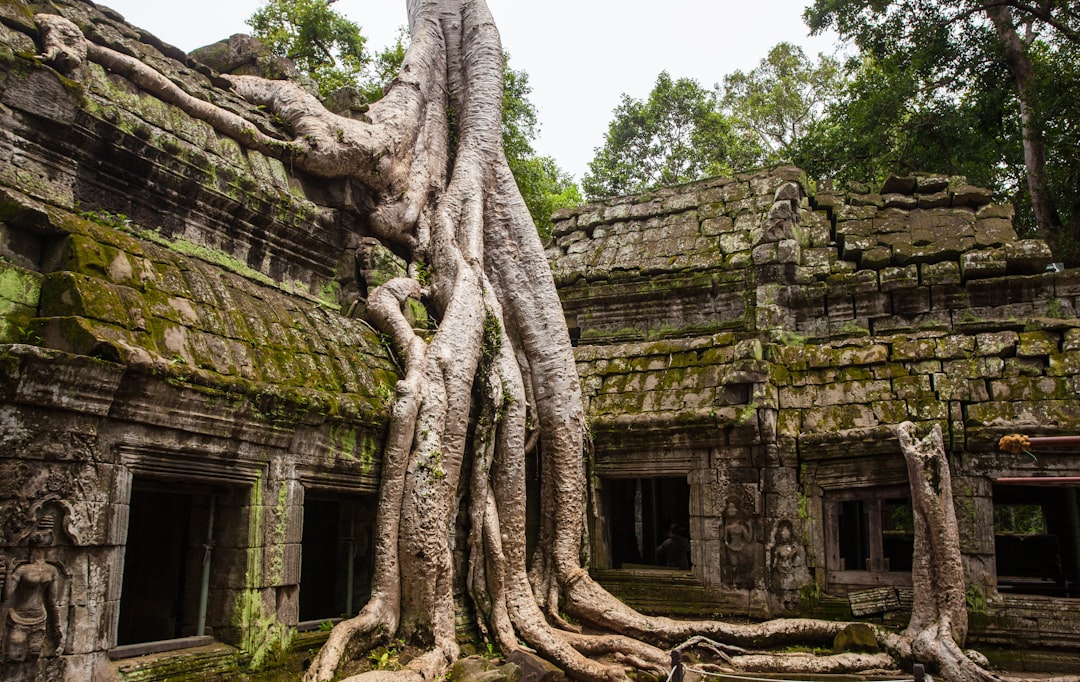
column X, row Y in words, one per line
column 780, row 99
column 948, row 44
column 884, row 120
column 677, row 135
column 322, row 42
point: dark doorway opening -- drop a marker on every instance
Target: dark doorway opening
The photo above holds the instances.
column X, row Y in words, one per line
column 166, row 563
column 1037, row 539
column 336, row 556
column 641, row 511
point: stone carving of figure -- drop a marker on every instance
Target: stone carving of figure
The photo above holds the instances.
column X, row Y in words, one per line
column 738, row 538
column 787, row 557
column 30, row 613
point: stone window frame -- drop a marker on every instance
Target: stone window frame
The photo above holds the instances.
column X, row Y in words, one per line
column 877, row 573
column 165, row 464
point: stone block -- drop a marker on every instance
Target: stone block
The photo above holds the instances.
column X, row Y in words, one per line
column 947, row 272
column 866, row 200
column 1065, row 364
column 764, row 254
column 1037, row 344
column 876, row 258
column 874, row 304
column 983, row 264
column 905, row 348
column 890, row 411
column 935, row 200
column 1027, row 256
column 901, row 201
column 892, row 278
column 1071, row 340
column 971, row 196
column 955, row 347
column 897, row 184
column 930, row 184
column 789, row 251
column 991, row 232
column 915, row 386
column 717, row 226
column 42, row 93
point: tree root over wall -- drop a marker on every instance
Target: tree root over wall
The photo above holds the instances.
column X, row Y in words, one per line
column 498, row 372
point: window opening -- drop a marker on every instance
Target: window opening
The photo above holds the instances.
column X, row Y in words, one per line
column 870, row 536
column 336, row 556
column 1037, row 539
column 642, row 513
column 167, row 564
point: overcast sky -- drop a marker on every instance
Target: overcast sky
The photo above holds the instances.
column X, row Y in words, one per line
column 581, row 55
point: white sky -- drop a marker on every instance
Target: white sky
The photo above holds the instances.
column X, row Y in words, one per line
column 581, row 55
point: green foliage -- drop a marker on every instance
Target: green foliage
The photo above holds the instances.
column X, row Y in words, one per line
column 932, row 88
column 777, row 101
column 676, row 135
column 976, row 600
column 323, row 43
column 1019, row 519
column 387, row 657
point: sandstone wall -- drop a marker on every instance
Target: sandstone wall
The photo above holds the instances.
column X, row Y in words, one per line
column 761, row 336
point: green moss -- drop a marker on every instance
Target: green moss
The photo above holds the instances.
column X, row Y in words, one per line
column 976, row 601
column 20, row 291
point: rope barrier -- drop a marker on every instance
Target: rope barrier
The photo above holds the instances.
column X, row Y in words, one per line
column 748, row 678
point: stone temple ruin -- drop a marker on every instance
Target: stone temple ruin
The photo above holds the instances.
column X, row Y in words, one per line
column 193, row 409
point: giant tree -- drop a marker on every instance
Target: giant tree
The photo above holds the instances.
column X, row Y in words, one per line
column 498, row 370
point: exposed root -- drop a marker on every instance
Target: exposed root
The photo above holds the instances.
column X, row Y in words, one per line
column 809, row 664
column 722, row 651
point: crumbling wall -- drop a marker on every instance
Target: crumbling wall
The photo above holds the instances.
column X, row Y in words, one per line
column 176, row 315
column 761, row 336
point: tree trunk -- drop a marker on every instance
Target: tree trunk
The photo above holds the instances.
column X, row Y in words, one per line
column 938, row 626
column 1016, row 57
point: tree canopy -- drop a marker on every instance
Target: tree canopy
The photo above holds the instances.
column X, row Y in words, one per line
column 676, row 135
column 779, row 100
column 961, row 85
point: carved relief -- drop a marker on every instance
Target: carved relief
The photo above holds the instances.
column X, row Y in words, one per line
column 33, row 590
column 787, row 564
column 738, row 538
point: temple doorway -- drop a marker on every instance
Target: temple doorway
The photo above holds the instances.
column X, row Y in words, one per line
column 167, row 562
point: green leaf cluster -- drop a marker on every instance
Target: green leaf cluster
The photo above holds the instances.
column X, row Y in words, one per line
column 676, row 135
column 782, row 98
column 323, row 43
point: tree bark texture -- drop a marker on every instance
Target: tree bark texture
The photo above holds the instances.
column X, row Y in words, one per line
column 496, row 377
column 1023, row 74
column 938, row 626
